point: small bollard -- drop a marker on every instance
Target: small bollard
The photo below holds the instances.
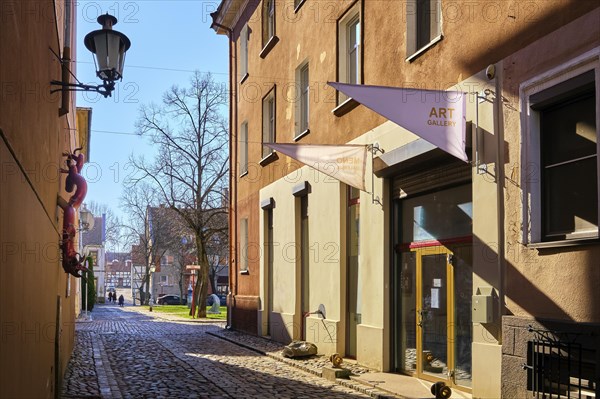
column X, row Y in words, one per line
column 441, row 390
column 150, row 308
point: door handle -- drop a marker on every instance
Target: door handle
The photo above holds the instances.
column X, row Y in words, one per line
column 421, row 314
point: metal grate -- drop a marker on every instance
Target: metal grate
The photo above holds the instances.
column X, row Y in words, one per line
column 558, row 367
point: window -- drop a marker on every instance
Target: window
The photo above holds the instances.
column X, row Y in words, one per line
column 560, row 154
column 568, row 155
column 243, row 148
column 164, row 280
column 349, row 49
column 244, row 53
column 302, row 105
column 268, row 135
column 268, row 27
column 244, row 245
column 423, row 26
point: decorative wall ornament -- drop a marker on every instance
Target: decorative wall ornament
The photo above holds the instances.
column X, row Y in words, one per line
column 72, row 261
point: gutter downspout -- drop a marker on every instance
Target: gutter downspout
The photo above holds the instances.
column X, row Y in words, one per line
column 232, row 197
column 499, row 132
column 233, row 95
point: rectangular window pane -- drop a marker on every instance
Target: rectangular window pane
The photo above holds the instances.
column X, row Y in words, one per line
column 569, row 130
column 304, row 98
column 422, row 24
column 244, row 52
column 271, row 23
column 268, row 123
column 569, row 167
column 244, row 244
column 244, row 148
column 571, row 193
column 424, row 10
column 441, row 215
column 353, row 51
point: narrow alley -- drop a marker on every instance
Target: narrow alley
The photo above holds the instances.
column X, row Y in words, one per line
column 124, row 353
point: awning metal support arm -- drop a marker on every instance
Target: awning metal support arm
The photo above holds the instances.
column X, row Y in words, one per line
column 374, row 149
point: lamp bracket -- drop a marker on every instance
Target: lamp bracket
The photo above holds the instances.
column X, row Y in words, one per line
column 105, row 88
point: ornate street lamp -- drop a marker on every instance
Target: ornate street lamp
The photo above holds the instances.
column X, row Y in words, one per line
column 86, row 219
column 109, row 48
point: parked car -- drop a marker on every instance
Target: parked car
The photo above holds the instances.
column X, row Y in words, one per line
column 171, row 300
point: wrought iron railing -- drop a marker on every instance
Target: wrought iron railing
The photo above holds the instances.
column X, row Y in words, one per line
column 560, row 367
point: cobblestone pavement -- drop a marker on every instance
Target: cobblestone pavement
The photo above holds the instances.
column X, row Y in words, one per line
column 127, row 354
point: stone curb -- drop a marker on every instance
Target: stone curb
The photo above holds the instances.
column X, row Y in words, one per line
column 357, row 386
column 106, row 379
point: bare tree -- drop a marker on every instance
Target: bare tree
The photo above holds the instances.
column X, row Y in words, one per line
column 146, row 229
column 191, row 169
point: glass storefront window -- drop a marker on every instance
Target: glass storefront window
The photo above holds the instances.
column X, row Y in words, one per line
column 437, row 216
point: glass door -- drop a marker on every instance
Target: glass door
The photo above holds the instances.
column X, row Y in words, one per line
column 443, row 312
column 433, row 313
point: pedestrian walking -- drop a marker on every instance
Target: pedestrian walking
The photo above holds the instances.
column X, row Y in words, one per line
column 121, row 300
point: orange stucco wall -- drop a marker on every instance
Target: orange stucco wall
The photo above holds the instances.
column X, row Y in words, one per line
column 35, row 293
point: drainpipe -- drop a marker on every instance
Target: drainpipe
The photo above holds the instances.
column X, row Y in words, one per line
column 233, row 206
column 499, row 133
column 232, row 161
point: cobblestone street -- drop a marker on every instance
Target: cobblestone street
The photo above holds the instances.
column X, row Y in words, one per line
column 124, row 353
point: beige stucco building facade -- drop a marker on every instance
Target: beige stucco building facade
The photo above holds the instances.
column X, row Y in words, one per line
column 442, row 269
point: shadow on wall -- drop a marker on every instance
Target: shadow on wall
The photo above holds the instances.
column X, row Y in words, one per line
column 280, row 331
column 537, row 25
column 520, row 280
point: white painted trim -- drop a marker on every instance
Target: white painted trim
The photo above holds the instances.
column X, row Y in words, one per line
column 530, row 136
column 423, row 49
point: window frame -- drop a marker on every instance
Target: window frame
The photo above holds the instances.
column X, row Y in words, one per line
column 269, row 123
column 244, row 39
column 302, row 108
column 353, row 14
column 531, row 179
column 244, row 267
column 243, row 149
column 269, row 27
column 413, row 49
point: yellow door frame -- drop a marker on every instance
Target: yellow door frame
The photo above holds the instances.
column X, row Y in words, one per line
column 450, row 306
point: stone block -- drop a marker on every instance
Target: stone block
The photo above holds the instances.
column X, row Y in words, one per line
column 331, row 373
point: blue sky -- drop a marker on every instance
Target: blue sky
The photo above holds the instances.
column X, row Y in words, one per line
column 169, row 40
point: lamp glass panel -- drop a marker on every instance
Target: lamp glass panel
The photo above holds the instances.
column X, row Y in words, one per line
column 109, row 55
column 114, row 54
column 101, row 51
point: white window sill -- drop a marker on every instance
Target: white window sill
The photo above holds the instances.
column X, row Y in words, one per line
column 297, row 8
column 268, row 46
column 423, row 49
column 345, row 107
column 564, row 243
column 268, row 158
column 243, row 174
column 304, row 133
column 244, row 271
